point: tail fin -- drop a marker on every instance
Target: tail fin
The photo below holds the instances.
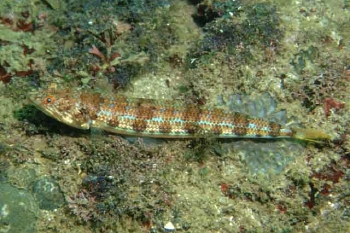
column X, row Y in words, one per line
column 312, row 135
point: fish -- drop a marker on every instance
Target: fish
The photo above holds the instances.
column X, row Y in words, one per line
column 158, row 119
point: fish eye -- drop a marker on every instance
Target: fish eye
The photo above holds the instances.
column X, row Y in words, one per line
column 49, row 100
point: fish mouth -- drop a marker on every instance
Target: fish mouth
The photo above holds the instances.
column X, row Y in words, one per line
column 64, row 117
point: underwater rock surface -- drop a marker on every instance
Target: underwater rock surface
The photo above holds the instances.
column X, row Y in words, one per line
column 48, row 194
column 18, row 210
column 264, row 157
column 262, row 106
column 267, row 157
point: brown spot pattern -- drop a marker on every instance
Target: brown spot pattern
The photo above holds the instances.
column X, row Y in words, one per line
column 191, row 127
column 217, row 116
column 191, row 113
column 275, row 129
column 91, row 104
column 139, row 125
column 114, row 122
column 145, row 112
column 145, row 116
column 216, row 129
column 168, row 113
column 260, row 127
column 165, row 127
column 240, row 123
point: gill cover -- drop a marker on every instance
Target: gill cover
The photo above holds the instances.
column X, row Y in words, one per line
column 64, row 105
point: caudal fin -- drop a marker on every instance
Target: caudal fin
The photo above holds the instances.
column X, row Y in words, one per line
column 313, row 135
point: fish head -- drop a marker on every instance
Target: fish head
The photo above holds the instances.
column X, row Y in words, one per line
column 64, row 105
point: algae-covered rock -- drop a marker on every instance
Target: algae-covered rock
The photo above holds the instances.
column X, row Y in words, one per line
column 262, row 106
column 48, row 194
column 18, row 210
column 267, row 157
column 21, row 178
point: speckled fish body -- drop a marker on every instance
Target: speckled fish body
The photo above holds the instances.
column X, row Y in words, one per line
column 149, row 118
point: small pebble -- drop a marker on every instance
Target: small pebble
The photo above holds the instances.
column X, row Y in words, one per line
column 169, row 227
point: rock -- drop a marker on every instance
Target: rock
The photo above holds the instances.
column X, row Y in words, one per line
column 48, row 194
column 169, row 227
column 18, row 210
